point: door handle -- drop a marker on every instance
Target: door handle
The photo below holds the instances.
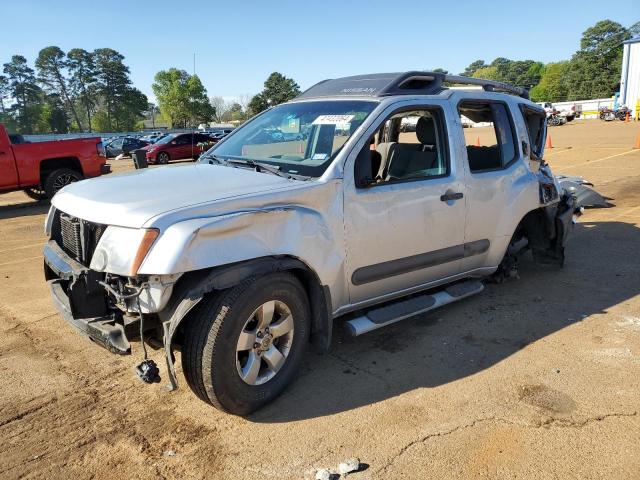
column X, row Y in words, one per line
column 451, row 196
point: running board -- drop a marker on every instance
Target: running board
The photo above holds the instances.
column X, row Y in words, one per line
column 401, row 309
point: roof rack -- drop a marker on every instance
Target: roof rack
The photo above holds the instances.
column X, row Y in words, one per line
column 407, row 83
column 488, row 85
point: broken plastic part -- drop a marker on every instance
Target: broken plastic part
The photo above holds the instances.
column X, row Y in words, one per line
column 148, row 371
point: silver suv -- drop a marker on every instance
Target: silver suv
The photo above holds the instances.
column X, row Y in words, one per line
column 374, row 205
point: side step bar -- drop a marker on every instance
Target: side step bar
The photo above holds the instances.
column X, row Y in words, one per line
column 394, row 312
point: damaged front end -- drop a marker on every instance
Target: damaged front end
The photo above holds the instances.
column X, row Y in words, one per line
column 543, row 231
column 110, row 309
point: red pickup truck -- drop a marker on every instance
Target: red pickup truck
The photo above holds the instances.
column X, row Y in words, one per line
column 43, row 168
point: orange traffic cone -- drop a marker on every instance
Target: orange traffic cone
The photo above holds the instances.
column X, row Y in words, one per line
column 637, row 145
column 549, row 142
column 478, row 141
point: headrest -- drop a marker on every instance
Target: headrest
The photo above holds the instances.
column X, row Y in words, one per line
column 426, row 131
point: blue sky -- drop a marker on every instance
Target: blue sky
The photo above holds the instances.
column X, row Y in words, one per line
column 238, row 43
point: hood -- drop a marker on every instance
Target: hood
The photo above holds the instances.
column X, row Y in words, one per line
column 130, row 199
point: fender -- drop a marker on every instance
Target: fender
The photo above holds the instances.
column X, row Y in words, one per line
column 192, row 288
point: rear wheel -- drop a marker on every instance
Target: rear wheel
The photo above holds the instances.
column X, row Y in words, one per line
column 243, row 346
column 162, row 158
column 37, row 193
column 60, row 178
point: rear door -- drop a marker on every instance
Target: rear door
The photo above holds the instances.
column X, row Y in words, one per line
column 405, row 230
column 498, row 180
column 8, row 169
column 182, row 148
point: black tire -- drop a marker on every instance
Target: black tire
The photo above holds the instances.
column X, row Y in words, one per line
column 211, row 335
column 60, row 178
column 162, row 158
column 36, row 193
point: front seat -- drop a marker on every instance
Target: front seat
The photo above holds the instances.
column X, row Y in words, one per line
column 409, row 160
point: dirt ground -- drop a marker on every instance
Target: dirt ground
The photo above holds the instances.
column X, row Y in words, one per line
column 535, row 378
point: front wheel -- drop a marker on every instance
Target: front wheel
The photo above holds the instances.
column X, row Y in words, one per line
column 243, row 346
column 162, row 158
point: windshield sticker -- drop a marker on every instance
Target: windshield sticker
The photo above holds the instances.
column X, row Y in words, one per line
column 319, row 156
column 332, row 119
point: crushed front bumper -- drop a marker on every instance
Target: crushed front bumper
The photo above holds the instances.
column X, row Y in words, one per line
column 81, row 300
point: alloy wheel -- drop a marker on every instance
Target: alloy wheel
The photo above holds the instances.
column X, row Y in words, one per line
column 264, row 343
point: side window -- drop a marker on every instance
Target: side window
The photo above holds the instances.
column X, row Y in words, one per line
column 183, row 140
column 488, row 134
column 411, row 145
column 536, row 121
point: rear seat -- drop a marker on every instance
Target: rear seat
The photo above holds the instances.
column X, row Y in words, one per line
column 483, row 158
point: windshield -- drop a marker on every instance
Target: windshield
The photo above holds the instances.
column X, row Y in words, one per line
column 165, row 139
column 299, row 138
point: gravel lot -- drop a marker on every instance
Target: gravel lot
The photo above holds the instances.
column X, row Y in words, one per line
column 535, row 378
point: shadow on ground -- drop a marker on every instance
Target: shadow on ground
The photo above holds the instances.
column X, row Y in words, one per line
column 470, row 336
column 24, row 209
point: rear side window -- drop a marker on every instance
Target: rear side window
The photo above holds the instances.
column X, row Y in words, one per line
column 536, row 121
column 488, row 134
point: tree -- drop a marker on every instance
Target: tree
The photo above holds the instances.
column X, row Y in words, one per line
column 83, row 80
column 51, row 64
column 277, row 89
column 151, row 112
column 473, row 68
column 22, row 87
column 634, row 30
column 234, row 113
column 182, row 98
column 594, row 70
column 220, row 107
column 4, row 92
column 112, row 80
column 553, row 83
column 440, row 70
column 52, row 115
column 123, row 104
column 199, row 108
column 130, row 109
column 170, row 89
column 488, row 73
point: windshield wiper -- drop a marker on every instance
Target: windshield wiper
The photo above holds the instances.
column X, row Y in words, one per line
column 259, row 166
column 213, row 158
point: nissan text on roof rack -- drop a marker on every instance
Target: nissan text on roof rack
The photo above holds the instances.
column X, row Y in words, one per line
column 242, row 259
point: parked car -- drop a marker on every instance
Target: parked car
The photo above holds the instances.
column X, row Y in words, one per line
column 124, row 145
column 43, row 168
column 244, row 257
column 177, row 146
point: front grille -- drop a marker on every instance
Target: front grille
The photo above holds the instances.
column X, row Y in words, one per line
column 79, row 238
column 71, row 235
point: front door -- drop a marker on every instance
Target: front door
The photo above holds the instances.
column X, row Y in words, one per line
column 406, row 228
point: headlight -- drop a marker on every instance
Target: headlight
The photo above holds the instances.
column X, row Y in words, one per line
column 121, row 250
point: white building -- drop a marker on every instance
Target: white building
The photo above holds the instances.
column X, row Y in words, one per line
column 630, row 78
